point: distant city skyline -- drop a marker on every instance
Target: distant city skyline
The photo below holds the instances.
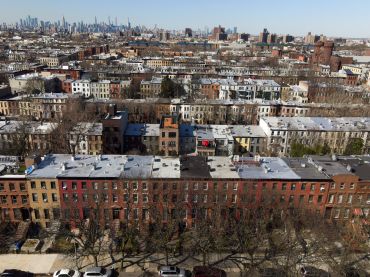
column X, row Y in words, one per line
column 328, row 17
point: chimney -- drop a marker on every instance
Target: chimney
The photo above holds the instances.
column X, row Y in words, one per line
column 32, row 160
column 112, row 109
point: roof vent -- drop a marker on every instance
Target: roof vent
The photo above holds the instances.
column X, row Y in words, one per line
column 303, row 165
column 349, row 168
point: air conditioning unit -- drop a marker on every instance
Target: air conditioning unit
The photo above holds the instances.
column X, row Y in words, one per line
column 322, row 189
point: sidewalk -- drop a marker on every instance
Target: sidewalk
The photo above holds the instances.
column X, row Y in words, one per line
column 36, row 263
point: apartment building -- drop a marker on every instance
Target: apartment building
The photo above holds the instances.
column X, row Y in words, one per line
column 335, row 132
column 70, row 188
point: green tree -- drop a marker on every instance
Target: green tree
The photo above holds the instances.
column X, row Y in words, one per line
column 354, row 147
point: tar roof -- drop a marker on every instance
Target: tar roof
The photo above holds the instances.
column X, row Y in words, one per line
column 304, row 169
column 194, row 167
column 359, row 165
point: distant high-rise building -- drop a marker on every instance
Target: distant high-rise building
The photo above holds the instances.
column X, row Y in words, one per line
column 311, row 39
column 271, row 38
column 219, row 33
column 188, row 32
column 263, row 36
column 288, row 38
column 235, row 30
column 244, row 37
column 164, row 36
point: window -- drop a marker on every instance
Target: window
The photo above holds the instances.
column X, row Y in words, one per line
column 291, row 198
column 319, row 199
column 54, row 197
column 114, row 186
column 195, row 186
column 52, row 185
column 74, row 185
column 115, row 198
column 350, row 197
column 43, row 185
column 46, row 214
column 65, row 197
column 24, row 199
column 224, row 186
column 346, row 213
column 126, row 197
column 37, row 213
column 144, row 186
column 34, row 197
column 1, row 187
column 303, row 186
column 340, row 198
column 14, row 199
column 352, row 186
column 235, row 186
column 283, row 187
column 33, row 185
column 310, row 198
column 105, row 197
column 331, row 198
column 336, row 213
column 83, row 185
column 96, row 186
column 282, row 198
column 292, row 187
column 274, row 186
column 11, row 187
column 301, row 199
column 145, row 198
column 332, row 185
column 313, row 187
column 342, row 186
column 85, row 197
column 3, row 199
column 135, row 197
column 205, row 186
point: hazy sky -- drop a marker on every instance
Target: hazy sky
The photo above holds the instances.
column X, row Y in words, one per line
column 348, row 18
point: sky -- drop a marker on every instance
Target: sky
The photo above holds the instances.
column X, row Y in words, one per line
column 346, row 18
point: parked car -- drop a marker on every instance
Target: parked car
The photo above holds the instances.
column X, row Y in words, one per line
column 171, row 271
column 16, row 273
column 98, row 272
column 310, row 271
column 67, row 273
column 207, row 271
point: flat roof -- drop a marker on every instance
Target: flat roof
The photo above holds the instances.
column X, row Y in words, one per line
column 194, row 167
column 265, row 168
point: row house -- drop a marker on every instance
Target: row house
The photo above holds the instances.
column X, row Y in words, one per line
column 34, row 82
column 150, row 88
column 120, row 188
column 337, row 133
column 14, row 200
column 32, row 136
column 250, row 89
